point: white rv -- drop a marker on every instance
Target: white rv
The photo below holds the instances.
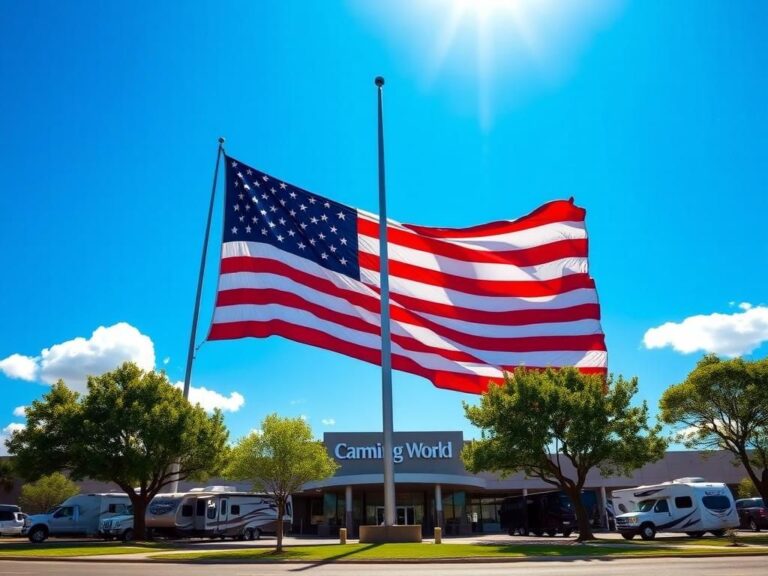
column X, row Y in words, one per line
column 687, row 505
column 78, row 515
column 215, row 512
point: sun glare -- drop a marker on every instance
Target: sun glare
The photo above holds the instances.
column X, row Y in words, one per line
column 501, row 47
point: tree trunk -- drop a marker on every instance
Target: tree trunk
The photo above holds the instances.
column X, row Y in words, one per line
column 279, row 529
column 582, row 516
column 762, row 487
column 139, row 519
column 761, row 481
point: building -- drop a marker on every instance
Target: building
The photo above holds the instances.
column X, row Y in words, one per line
column 434, row 489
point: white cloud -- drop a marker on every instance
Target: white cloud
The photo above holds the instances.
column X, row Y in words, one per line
column 108, row 347
column 298, row 401
column 304, row 417
column 74, row 360
column 328, row 421
column 166, row 360
column 19, row 367
column 13, row 427
column 727, row 334
column 5, row 434
column 210, row 399
column 20, row 411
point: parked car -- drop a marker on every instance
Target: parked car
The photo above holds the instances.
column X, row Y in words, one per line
column 752, row 513
column 11, row 522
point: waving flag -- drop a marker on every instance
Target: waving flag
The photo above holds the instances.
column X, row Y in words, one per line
column 466, row 304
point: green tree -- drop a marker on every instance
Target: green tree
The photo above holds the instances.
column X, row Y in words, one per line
column 129, row 429
column 723, row 405
column 279, row 460
column 746, row 488
column 40, row 496
column 557, row 425
column 7, row 475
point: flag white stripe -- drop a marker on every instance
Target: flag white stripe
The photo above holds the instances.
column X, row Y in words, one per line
column 299, row 317
column 289, row 286
column 529, row 238
column 398, row 285
column 477, row 270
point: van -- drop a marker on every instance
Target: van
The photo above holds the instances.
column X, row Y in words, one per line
column 539, row 513
column 78, row 515
column 687, row 505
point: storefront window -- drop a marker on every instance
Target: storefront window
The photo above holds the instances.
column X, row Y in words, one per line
column 483, row 514
column 455, row 513
column 330, row 510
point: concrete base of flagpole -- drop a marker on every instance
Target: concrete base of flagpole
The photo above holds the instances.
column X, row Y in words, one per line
column 389, row 534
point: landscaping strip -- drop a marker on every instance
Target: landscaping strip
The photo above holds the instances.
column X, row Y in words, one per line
column 431, row 552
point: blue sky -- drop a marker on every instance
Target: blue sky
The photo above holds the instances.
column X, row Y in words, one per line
column 651, row 114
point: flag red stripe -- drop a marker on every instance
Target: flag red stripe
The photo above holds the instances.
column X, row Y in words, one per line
column 441, row 379
column 245, row 296
column 305, row 335
column 519, row 288
column 550, row 213
column 567, row 248
column 513, row 317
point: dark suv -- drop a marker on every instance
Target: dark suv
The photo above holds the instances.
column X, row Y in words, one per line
column 752, row 513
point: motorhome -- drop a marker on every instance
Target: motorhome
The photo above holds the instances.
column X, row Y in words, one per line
column 688, row 505
column 77, row 515
column 215, row 512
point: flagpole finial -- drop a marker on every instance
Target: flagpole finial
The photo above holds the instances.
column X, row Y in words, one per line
column 379, row 81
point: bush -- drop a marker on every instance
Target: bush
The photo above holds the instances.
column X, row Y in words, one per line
column 48, row 491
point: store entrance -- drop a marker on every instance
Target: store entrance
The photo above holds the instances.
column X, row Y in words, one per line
column 403, row 515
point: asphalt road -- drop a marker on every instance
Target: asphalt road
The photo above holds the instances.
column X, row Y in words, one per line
column 745, row 566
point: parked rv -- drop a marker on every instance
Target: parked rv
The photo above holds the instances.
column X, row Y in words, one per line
column 215, row 512
column 687, row 505
column 543, row 512
column 78, row 515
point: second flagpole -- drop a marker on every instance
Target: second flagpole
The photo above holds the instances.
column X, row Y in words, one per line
column 386, row 347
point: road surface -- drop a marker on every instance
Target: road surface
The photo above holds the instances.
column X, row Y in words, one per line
column 744, row 566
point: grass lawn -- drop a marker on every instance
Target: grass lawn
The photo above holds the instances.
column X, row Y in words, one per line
column 752, row 540
column 69, row 549
column 390, row 552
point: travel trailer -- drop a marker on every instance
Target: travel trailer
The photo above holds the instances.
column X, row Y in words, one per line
column 688, row 505
column 215, row 512
column 78, row 515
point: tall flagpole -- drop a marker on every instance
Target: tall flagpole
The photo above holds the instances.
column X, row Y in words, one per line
column 196, row 313
column 193, row 333
column 386, row 347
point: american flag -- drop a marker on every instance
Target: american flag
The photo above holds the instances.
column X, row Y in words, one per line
column 467, row 304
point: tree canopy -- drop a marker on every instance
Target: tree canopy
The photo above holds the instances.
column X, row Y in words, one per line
column 7, row 475
column 280, row 459
column 42, row 495
column 723, row 405
column 557, row 425
column 129, row 429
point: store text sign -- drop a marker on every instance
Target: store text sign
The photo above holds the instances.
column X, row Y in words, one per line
column 413, row 450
